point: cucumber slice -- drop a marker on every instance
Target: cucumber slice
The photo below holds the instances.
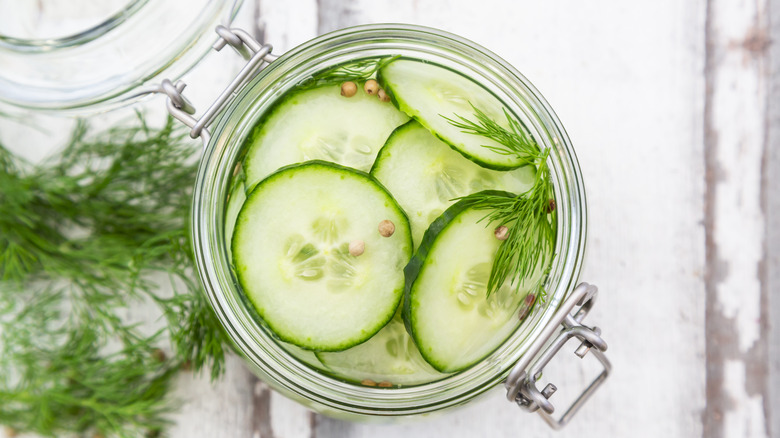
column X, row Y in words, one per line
column 429, row 93
column 306, row 356
column 235, row 201
column 292, row 259
column 424, row 175
column 389, row 357
column 321, row 124
column 446, row 307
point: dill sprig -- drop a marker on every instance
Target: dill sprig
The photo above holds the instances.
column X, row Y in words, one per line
column 514, row 141
column 529, row 216
column 357, row 71
column 83, row 236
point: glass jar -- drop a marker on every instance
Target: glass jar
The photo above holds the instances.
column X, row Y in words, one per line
column 110, row 56
column 210, row 227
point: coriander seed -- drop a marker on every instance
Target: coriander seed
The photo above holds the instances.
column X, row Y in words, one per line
column 525, row 309
column 371, row 87
column 357, row 247
column 348, row 89
column 501, row 233
column 386, row 228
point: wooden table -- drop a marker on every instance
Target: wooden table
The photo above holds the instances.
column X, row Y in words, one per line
column 669, row 106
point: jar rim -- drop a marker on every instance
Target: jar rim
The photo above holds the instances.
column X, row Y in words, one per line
column 112, row 63
column 286, row 374
column 70, row 39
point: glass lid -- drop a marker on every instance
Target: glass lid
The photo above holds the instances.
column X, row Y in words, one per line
column 97, row 54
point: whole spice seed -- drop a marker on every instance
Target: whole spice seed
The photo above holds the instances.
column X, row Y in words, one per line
column 348, row 89
column 357, row 247
column 383, row 96
column 385, row 384
column 158, row 355
column 550, row 205
column 368, row 382
column 371, row 87
column 525, row 309
column 501, row 233
column 386, row 228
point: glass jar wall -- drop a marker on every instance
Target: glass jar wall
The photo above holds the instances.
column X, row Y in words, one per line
column 211, row 229
column 106, row 58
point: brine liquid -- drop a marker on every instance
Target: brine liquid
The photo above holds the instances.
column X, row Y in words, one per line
column 390, row 358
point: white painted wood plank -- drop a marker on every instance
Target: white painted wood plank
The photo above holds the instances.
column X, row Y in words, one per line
column 288, row 23
column 772, row 211
column 289, row 419
column 627, row 83
column 221, row 409
column 736, row 126
column 739, row 96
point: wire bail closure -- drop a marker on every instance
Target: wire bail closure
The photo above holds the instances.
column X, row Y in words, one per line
column 521, row 382
column 256, row 54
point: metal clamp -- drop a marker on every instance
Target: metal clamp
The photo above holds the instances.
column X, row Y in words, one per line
column 521, row 382
column 182, row 110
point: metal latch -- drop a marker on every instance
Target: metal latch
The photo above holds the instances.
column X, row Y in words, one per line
column 521, row 382
column 181, row 109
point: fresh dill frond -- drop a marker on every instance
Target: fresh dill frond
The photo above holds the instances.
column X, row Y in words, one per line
column 514, row 141
column 83, row 236
column 357, row 71
column 530, row 217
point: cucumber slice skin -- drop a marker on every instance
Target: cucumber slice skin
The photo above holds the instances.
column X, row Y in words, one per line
column 390, row 356
column 412, row 153
column 415, row 267
column 402, row 233
column 486, row 159
column 303, row 117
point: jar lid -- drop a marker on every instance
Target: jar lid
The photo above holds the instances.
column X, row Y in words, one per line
column 88, row 56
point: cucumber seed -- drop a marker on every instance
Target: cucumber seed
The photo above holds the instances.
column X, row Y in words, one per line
column 371, row 87
column 348, row 89
column 501, row 233
column 383, row 96
column 356, row 247
column 386, row 228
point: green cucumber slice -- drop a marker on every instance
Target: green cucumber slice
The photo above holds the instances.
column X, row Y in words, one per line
column 320, row 124
column 291, row 255
column 235, row 201
column 306, row 356
column 429, row 93
column 425, row 175
column 446, row 307
column 389, row 357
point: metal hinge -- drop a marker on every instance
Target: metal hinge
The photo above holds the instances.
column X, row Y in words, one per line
column 256, row 54
column 521, row 382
